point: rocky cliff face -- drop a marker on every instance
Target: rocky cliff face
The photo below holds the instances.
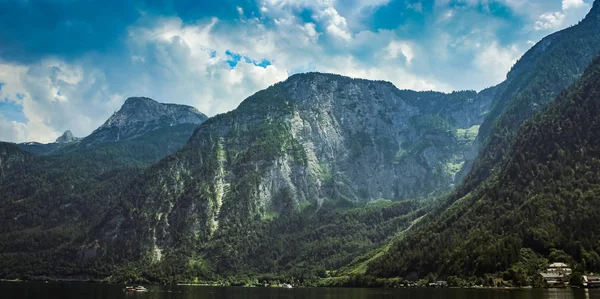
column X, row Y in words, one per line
column 139, row 116
column 313, row 138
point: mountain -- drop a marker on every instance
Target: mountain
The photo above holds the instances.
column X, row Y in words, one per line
column 541, row 205
column 313, row 143
column 143, row 131
column 532, row 84
column 140, row 115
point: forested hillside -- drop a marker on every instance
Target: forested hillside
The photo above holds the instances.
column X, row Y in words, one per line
column 533, row 83
column 544, row 202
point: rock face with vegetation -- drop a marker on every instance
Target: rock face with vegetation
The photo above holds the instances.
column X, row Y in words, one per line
column 313, row 139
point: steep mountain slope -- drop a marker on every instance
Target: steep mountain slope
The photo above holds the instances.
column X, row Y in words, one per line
column 543, row 202
column 537, row 78
column 312, row 139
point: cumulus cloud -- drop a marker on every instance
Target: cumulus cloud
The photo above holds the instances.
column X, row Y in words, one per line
column 572, row 11
column 396, row 48
column 549, row 20
column 495, row 60
column 213, row 63
column 12, row 131
column 573, row 4
column 55, row 96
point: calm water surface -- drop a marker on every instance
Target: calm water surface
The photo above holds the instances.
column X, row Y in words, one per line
column 29, row 290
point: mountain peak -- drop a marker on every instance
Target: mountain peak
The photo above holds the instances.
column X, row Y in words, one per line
column 136, row 101
column 140, row 115
column 66, row 137
column 142, row 109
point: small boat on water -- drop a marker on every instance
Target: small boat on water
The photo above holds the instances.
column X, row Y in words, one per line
column 139, row 289
column 286, row 286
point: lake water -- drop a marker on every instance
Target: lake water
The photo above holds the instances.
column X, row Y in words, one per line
column 30, row 290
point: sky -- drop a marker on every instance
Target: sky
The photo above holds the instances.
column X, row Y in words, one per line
column 68, row 64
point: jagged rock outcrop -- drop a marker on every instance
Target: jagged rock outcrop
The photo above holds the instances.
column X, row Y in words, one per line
column 66, row 137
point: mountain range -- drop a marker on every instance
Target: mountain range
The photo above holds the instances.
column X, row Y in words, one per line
column 323, row 179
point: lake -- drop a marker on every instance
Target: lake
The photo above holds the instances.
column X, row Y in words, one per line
column 30, row 290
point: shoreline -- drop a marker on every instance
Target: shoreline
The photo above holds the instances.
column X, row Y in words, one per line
column 93, row 281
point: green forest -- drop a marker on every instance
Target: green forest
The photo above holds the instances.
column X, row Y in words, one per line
column 541, row 206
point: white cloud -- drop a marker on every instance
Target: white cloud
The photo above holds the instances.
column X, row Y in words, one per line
column 337, row 25
column 324, row 12
column 396, row 48
column 549, row 20
column 573, row 4
column 172, row 61
column 402, row 79
column 55, row 96
column 572, row 12
column 12, row 131
column 495, row 60
column 310, row 32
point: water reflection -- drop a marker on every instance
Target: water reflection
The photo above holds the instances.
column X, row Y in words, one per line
column 103, row 291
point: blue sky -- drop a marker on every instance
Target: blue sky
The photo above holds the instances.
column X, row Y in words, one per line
column 68, row 64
